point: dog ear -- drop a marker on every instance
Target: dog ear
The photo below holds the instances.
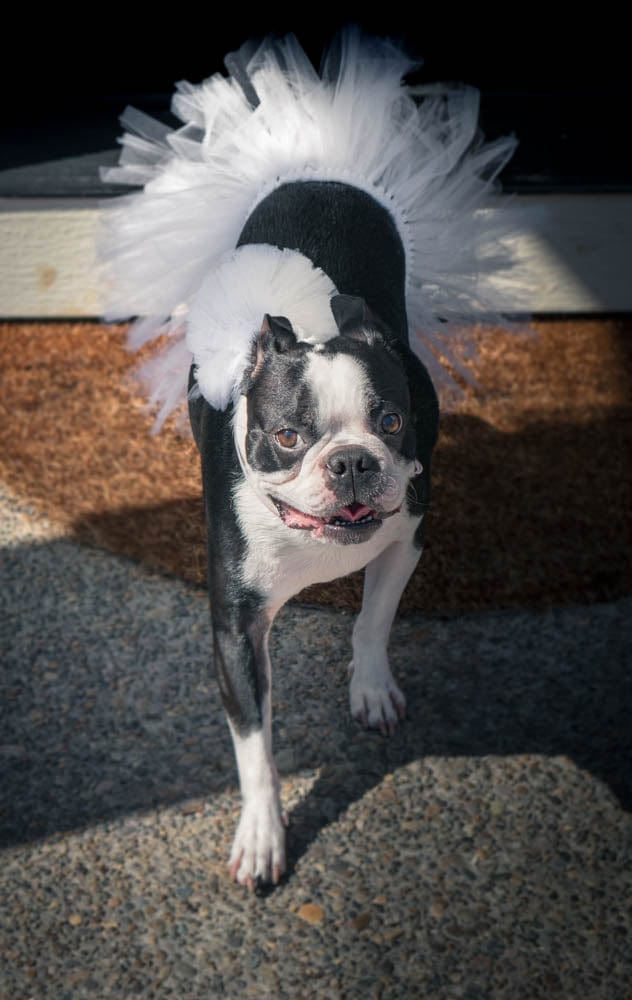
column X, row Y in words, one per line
column 353, row 317
column 276, row 334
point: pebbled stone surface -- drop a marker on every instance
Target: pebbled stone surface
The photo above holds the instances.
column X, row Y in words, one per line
column 483, row 851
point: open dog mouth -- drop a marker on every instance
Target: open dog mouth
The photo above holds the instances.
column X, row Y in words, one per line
column 354, row 519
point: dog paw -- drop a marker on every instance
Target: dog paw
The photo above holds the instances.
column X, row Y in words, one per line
column 258, row 852
column 376, row 701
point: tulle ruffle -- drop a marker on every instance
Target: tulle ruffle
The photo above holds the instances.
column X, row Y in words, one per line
column 276, row 120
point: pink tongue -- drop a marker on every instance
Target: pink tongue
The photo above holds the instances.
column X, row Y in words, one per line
column 296, row 519
column 353, row 512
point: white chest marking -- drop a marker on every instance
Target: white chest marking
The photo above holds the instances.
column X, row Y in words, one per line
column 281, row 561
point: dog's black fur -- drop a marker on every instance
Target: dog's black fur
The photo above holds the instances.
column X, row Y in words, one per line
column 354, row 240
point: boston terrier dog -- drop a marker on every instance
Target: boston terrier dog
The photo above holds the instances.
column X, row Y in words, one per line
column 299, row 243
column 322, row 467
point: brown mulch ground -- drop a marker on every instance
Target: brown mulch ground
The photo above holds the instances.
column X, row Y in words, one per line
column 532, row 478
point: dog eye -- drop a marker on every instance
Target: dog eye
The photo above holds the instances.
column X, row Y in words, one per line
column 391, row 423
column 287, row 438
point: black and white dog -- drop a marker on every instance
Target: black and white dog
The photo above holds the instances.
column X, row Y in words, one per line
column 287, row 239
column 321, row 468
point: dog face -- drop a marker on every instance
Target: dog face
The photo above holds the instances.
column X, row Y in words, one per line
column 329, row 435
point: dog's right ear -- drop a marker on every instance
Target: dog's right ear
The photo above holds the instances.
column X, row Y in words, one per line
column 276, row 334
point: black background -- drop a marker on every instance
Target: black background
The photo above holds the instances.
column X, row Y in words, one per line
column 564, row 88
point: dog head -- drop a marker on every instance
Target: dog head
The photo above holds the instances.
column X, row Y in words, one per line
column 329, row 435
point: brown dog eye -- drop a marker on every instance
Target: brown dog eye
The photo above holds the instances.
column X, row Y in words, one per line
column 287, row 438
column 391, row 423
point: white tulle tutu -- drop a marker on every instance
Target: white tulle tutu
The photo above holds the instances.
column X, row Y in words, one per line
column 169, row 250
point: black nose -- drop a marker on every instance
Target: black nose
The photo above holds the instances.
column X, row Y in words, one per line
column 349, row 465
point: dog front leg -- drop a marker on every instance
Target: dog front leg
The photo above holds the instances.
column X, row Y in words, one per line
column 244, row 674
column 376, row 700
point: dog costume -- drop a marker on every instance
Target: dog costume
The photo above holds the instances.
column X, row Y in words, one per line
column 304, row 241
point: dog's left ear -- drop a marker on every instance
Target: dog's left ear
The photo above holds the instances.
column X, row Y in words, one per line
column 354, row 318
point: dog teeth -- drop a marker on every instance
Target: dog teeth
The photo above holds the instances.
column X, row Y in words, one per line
column 340, row 522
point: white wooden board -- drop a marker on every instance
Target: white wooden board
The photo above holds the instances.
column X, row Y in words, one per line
column 576, row 250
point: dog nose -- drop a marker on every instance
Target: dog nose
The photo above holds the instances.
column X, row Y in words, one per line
column 351, row 464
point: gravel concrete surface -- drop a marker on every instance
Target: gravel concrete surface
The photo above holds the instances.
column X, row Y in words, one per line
column 483, row 851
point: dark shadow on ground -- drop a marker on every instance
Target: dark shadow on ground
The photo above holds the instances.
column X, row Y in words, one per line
column 109, row 706
column 531, row 519
column 550, row 683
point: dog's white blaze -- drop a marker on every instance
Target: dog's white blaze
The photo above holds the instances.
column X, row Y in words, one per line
column 341, row 387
